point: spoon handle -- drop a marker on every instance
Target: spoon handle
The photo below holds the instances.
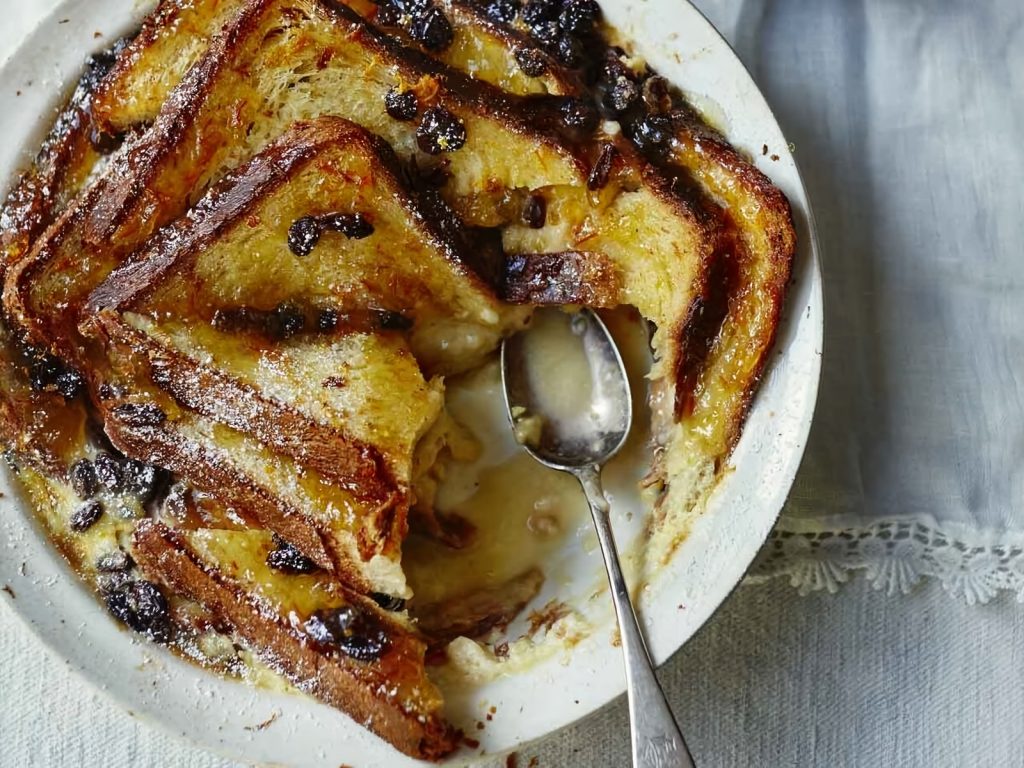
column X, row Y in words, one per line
column 657, row 742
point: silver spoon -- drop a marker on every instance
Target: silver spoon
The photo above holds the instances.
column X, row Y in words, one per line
column 569, row 403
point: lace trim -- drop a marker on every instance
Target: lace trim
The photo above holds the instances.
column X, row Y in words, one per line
column 895, row 554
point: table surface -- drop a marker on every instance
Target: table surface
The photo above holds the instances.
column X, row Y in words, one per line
column 858, row 678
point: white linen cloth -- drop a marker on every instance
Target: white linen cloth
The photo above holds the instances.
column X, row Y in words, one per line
column 905, row 117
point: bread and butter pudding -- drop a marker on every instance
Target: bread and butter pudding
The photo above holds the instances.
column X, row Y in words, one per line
column 258, row 272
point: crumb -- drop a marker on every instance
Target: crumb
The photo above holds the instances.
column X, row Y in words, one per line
column 97, row 35
column 471, row 743
column 512, row 760
column 334, row 382
column 479, row 725
column 681, row 607
column 265, row 724
column 534, row 762
column 9, row 591
column 547, row 616
column 18, row 92
column 493, row 710
column 64, row 21
column 501, row 650
column 490, row 717
column 775, row 158
column 764, row 149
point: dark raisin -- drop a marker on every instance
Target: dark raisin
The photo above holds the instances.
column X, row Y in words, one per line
column 47, row 374
column 70, row 383
column 104, row 143
column 501, row 11
column 114, row 562
column 354, row 226
column 621, row 93
column 546, row 33
column 569, row 51
column 578, row 16
column 535, row 211
column 437, row 175
column 401, row 105
column 388, row 14
column 388, row 602
column 83, row 518
column 652, row 132
column 656, row 94
column 287, row 559
column 83, row 479
column 109, row 471
column 432, row 30
column 328, row 626
column 532, row 61
column 139, row 414
column 141, row 606
column 440, row 131
column 286, row 321
column 109, row 583
column 349, row 630
column 602, row 167
column 363, row 648
column 107, row 392
column 327, row 320
column 579, row 114
column 303, row 235
column 393, row 321
column 413, row 7
column 143, row 480
column 537, row 11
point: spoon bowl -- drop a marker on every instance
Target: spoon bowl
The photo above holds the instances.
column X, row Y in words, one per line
column 566, row 389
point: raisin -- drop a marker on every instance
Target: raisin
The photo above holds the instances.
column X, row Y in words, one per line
column 117, row 561
column 501, row 11
column 326, row 626
column 568, row 51
column 431, row 29
column 401, row 105
column 546, row 33
column 139, row 414
column 327, row 320
column 354, row 226
column 578, row 16
column 621, row 93
column 536, row 12
column 532, row 61
column 579, row 114
column 440, row 131
column 83, row 479
column 535, row 211
column 142, row 606
column 286, row 321
column 47, row 374
column 602, row 167
column 104, row 143
column 109, row 471
column 393, row 321
column 287, row 559
column 83, row 518
column 143, row 480
column 388, row 602
column 652, row 132
column 349, row 630
column 303, row 235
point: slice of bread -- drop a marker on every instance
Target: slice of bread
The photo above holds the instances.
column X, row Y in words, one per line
column 375, row 673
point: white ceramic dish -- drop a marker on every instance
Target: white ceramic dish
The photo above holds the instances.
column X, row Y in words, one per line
column 223, row 715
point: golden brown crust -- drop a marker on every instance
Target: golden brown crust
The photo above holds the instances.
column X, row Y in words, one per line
column 750, row 264
column 351, row 464
column 360, row 689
